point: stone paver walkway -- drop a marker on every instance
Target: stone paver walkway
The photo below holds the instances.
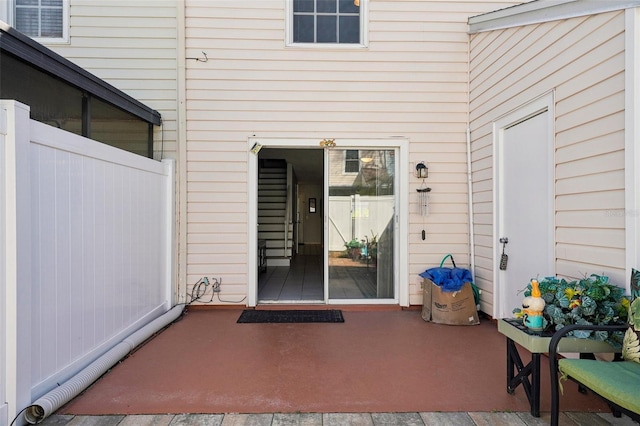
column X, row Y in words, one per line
column 338, row 419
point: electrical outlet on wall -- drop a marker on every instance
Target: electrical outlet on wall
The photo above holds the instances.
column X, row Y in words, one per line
column 215, row 284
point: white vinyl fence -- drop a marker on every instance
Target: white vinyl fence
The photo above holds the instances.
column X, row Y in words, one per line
column 86, row 252
column 359, row 217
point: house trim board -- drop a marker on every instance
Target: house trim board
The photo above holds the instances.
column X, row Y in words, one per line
column 181, row 173
column 543, row 11
column 632, row 141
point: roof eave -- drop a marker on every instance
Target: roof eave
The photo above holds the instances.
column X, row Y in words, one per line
column 540, row 11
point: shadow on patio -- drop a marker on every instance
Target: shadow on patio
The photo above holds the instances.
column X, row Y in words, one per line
column 376, row 361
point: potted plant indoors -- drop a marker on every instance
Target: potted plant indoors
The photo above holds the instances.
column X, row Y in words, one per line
column 590, row 300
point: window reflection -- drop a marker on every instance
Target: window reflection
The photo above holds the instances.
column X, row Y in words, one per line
column 361, row 231
column 118, row 128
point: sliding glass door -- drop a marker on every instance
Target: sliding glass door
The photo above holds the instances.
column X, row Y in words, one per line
column 361, row 227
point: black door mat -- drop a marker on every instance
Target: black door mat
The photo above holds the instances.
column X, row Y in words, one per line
column 274, row 316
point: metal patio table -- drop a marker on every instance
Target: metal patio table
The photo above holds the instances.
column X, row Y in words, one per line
column 537, row 343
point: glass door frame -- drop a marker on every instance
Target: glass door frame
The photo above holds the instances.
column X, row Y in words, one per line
column 401, row 274
column 400, row 221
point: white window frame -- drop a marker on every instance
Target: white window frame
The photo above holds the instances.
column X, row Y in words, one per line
column 346, row 160
column 364, row 30
column 401, row 220
column 7, row 14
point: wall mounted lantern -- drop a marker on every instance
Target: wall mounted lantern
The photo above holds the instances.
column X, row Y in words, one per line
column 422, row 171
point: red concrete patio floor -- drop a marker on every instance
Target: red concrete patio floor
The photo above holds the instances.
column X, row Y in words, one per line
column 376, row 361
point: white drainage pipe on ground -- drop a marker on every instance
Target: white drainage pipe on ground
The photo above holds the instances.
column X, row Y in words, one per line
column 50, row 402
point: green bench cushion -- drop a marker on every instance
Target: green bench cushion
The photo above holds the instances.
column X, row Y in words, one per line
column 619, row 382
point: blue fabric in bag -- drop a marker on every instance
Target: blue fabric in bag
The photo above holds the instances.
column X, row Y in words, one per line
column 449, row 279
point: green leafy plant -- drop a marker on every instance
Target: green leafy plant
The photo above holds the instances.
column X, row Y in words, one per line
column 591, row 300
column 373, row 241
column 631, row 344
column 635, row 283
column 353, row 248
column 355, row 243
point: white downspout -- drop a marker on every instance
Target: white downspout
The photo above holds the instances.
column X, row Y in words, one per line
column 472, row 244
column 56, row 398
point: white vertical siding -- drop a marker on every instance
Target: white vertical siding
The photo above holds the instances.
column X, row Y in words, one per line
column 133, row 46
column 410, row 81
column 84, row 229
column 582, row 59
column 4, row 315
column 16, row 253
column 98, row 229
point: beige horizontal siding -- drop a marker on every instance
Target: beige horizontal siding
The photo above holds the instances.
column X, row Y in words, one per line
column 613, row 140
column 546, row 60
column 582, row 59
column 133, row 46
column 410, row 81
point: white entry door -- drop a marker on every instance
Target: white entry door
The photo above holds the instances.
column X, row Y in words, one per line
column 524, row 204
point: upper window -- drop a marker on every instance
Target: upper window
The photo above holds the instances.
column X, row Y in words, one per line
column 41, row 19
column 351, row 161
column 327, row 22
